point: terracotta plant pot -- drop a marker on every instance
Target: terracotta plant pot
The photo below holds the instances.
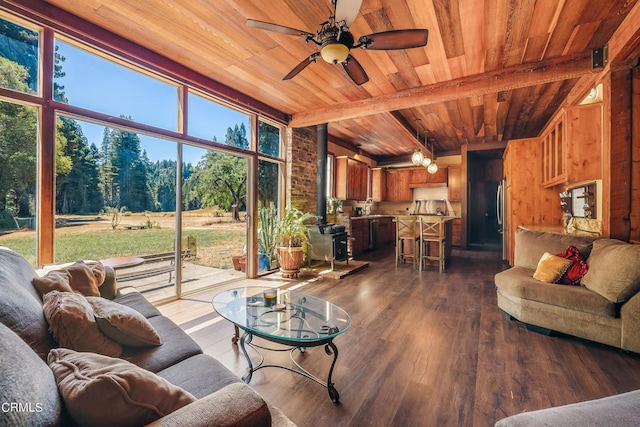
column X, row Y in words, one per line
column 291, row 259
column 236, row 261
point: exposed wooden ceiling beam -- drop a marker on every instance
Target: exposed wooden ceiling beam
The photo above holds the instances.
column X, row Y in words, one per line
column 625, row 43
column 525, row 75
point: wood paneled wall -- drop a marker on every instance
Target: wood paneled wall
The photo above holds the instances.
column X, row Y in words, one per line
column 635, row 156
column 617, row 156
column 529, row 203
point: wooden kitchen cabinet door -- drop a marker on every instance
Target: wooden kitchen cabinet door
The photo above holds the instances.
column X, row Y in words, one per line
column 419, row 177
column 398, row 189
column 454, row 184
column 351, row 179
column 378, row 184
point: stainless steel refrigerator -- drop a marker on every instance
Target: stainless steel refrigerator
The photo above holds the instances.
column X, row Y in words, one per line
column 501, row 215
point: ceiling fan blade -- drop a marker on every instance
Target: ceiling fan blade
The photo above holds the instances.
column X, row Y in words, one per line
column 277, row 28
column 395, row 39
column 347, row 10
column 355, row 70
column 301, row 66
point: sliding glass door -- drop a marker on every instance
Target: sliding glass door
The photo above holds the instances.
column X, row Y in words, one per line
column 213, row 225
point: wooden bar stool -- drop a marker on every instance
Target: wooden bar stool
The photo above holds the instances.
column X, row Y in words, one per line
column 407, row 231
column 432, row 231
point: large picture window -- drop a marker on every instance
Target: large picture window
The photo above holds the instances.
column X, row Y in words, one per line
column 18, row 163
column 215, row 122
column 19, row 53
column 86, row 80
column 269, row 141
column 128, row 175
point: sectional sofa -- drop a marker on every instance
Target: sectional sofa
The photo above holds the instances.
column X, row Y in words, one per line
column 604, row 306
column 601, row 303
column 133, row 366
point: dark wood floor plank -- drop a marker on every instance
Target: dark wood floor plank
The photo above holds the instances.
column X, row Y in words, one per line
column 424, row 349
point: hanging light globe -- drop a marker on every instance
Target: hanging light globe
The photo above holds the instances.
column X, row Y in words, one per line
column 417, row 157
column 432, row 168
column 426, row 161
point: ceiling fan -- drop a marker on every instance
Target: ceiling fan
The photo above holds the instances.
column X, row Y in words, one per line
column 335, row 41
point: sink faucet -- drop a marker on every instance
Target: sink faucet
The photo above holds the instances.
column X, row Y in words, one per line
column 367, row 206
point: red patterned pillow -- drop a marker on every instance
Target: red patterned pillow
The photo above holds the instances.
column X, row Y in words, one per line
column 577, row 270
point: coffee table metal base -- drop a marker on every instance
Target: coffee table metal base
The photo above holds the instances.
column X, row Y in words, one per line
column 329, row 348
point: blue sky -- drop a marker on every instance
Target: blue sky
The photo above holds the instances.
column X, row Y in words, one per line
column 94, row 83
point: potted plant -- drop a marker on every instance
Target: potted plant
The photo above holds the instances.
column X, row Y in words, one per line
column 268, row 236
column 334, row 205
column 293, row 236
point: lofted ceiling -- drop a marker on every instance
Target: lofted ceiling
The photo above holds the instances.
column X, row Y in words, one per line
column 492, row 70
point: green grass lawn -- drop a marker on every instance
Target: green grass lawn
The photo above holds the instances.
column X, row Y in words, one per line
column 107, row 244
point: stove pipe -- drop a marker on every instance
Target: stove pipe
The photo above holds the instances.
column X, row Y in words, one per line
column 321, row 189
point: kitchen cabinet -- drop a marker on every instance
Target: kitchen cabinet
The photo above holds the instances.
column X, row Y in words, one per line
column 454, row 186
column 386, row 231
column 420, row 177
column 571, row 146
column 456, row 232
column 351, row 179
column 359, row 235
column 552, row 148
column 378, row 184
column 397, row 187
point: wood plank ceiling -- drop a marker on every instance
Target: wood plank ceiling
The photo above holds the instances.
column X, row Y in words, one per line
column 492, row 70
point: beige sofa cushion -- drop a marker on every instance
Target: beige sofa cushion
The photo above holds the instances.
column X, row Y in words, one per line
column 517, row 281
column 614, row 269
column 531, row 245
column 103, row 391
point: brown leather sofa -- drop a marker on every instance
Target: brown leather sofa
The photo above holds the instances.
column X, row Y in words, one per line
column 28, row 389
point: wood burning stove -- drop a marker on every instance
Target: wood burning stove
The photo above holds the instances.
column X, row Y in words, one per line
column 328, row 243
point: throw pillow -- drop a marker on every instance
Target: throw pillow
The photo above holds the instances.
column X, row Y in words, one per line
column 123, row 324
column 97, row 268
column 130, row 395
column 551, row 268
column 73, row 325
column 53, row 281
column 578, row 268
column 84, row 280
column 614, row 269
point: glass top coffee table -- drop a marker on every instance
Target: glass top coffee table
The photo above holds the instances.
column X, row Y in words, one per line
column 289, row 318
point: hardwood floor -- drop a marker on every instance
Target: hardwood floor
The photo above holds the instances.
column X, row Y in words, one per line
column 424, row 349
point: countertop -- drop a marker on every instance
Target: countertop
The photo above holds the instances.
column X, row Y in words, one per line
column 558, row 229
column 372, row 216
column 444, row 218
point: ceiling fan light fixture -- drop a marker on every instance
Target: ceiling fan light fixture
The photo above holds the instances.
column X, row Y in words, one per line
column 334, row 52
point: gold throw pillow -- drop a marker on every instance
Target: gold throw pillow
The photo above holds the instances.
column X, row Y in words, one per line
column 551, row 268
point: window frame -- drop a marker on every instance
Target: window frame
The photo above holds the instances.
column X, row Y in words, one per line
column 53, row 23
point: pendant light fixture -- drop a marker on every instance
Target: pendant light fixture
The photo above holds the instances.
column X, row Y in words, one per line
column 417, row 157
column 433, row 168
column 427, row 160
